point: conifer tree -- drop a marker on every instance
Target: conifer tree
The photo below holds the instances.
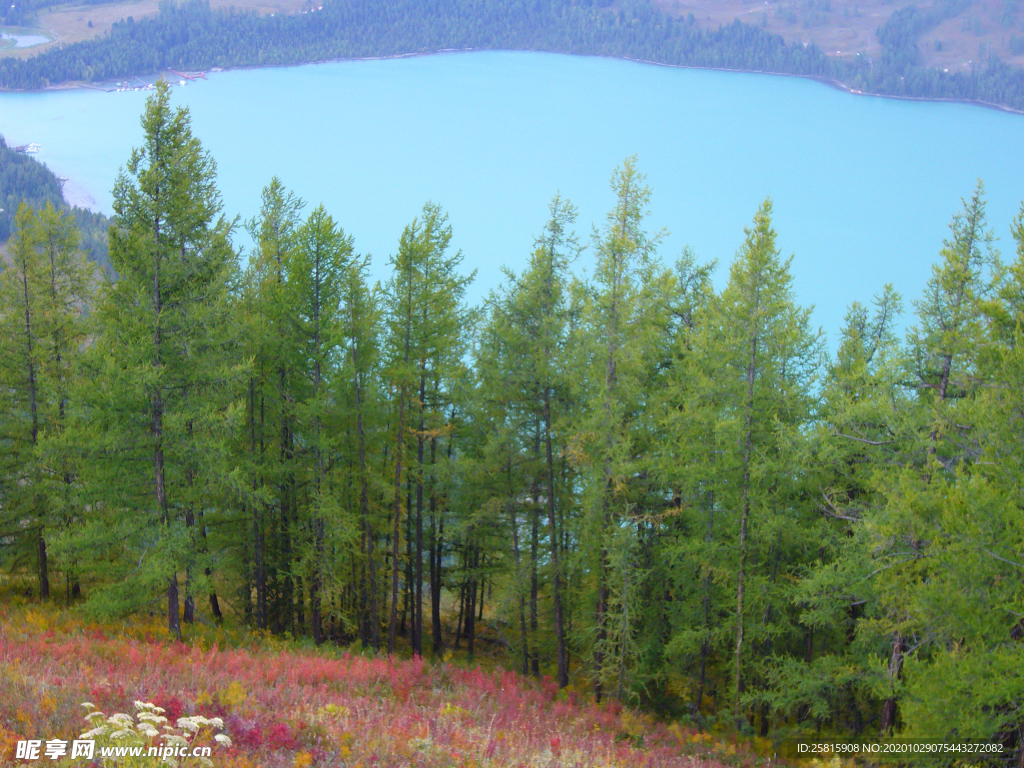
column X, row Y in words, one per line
column 948, row 353
column 427, row 329
column 765, row 356
column 520, row 364
column 44, row 296
column 361, row 330
column 860, row 438
column 626, row 309
column 692, row 554
column 316, row 272
column 160, row 368
column 265, row 446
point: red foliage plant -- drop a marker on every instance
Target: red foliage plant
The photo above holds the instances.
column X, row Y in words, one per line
column 285, row 708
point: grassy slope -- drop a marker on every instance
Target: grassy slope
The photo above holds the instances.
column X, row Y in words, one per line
column 284, row 705
column 69, row 23
column 847, row 27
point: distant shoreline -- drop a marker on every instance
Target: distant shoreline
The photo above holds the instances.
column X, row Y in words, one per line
column 836, row 84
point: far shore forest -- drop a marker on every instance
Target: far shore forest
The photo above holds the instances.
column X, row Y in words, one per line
column 661, row 493
column 192, row 36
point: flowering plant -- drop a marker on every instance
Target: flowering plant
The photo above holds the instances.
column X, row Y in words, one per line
column 133, row 742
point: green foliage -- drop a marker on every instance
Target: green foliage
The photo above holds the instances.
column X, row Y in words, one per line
column 23, row 180
column 651, row 489
column 154, row 406
column 44, row 294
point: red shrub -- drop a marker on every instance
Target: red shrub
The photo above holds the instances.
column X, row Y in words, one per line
column 279, row 736
column 173, row 706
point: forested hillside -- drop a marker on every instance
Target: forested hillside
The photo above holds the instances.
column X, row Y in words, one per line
column 653, row 490
column 23, row 180
column 192, row 36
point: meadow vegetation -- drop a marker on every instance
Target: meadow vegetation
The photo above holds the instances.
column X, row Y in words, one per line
column 284, row 706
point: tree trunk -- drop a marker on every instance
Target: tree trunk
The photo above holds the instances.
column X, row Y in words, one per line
column 462, row 613
column 397, row 512
column 471, row 604
column 563, row 666
column 172, row 606
column 744, row 516
column 417, row 616
column 534, row 546
column 285, row 618
column 602, row 598
column 259, row 567
column 364, row 508
column 484, row 583
column 316, row 580
column 188, row 614
column 610, row 383
column 44, row 576
column 705, row 647
column 396, row 533
column 437, row 537
column 524, row 636
column 889, row 709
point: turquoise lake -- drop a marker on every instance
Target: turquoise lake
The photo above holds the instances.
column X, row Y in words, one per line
column 863, row 187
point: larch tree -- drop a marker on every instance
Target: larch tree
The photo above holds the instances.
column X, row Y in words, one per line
column 316, row 275
column 265, row 444
column 766, row 359
column 691, row 556
column 45, row 293
column 860, row 437
column 359, row 380
column 427, row 324
column 951, row 364
column 625, row 310
column 160, row 369
column 523, row 395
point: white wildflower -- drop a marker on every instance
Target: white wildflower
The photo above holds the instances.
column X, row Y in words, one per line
column 188, row 723
column 149, row 717
column 88, row 705
column 122, row 734
column 95, row 714
column 121, row 719
column 148, row 729
column 221, row 738
column 216, row 722
column 94, row 733
column 173, row 740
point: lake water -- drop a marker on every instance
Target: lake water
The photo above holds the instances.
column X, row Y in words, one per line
column 863, row 187
column 23, row 40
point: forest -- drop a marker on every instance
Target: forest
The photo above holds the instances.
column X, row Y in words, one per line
column 646, row 488
column 23, row 180
column 191, row 36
